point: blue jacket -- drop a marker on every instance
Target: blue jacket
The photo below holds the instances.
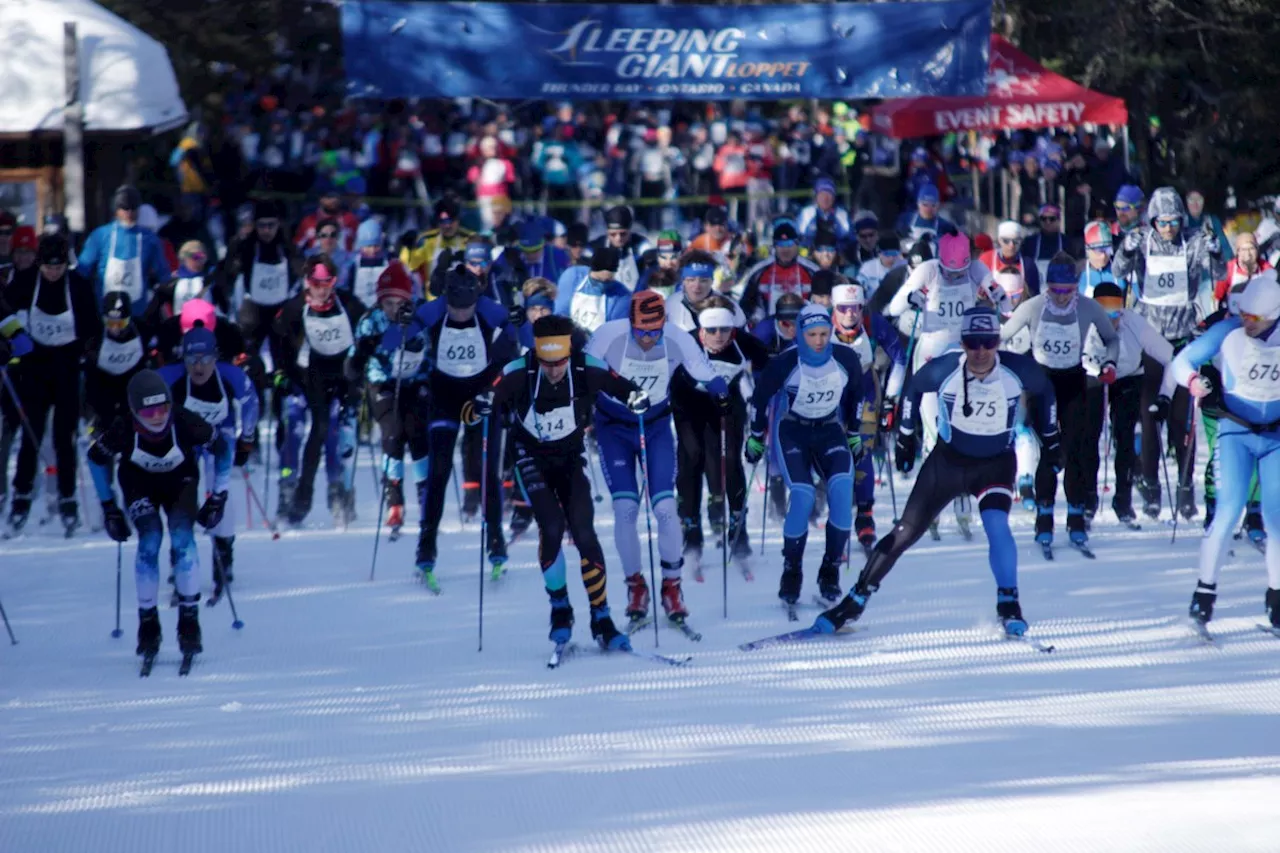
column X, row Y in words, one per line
column 92, row 260
column 617, row 299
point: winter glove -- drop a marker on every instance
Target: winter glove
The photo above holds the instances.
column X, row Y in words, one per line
column 1211, row 244
column 244, row 449
column 754, row 450
column 1107, row 374
column 888, row 412
column 210, row 515
column 1160, row 409
column 905, row 452
column 638, row 402
column 477, row 409
column 918, row 299
column 19, row 345
column 113, row 522
column 415, row 344
column 404, row 314
column 724, row 404
column 516, row 316
column 1200, row 386
column 280, row 381
column 854, row 439
column 1132, row 240
column 99, row 454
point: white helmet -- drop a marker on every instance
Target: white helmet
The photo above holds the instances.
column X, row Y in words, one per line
column 1262, row 296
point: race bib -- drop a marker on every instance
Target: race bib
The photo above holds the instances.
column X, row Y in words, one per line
column 52, row 330
column 652, row 377
column 1258, row 377
column 988, row 412
column 1057, row 345
column 818, row 396
column 366, row 284
column 460, row 352
column 158, row 464
column 947, row 306
column 587, row 311
column 1166, row 280
column 118, row 358
column 269, row 283
column 726, row 370
column 551, row 426
column 405, row 364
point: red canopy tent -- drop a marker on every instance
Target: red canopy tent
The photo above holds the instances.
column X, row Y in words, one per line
column 1021, row 93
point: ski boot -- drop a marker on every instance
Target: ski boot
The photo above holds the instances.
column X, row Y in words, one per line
column 1273, row 607
column 606, row 633
column 1253, row 527
column 300, row 507
column 425, row 559
column 1027, row 492
column 792, row 580
column 1150, row 491
column 691, row 533
column 848, row 610
column 637, row 599
column 777, row 498
column 497, row 555
column 521, row 518
column 19, row 514
column 1187, row 502
column 739, row 541
column 715, row 517
column 561, row 620
column 1090, row 510
column 829, row 582
column 1010, row 612
column 337, row 500
column 1077, row 525
column 70, row 515
column 470, row 502
column 286, row 494
column 673, row 600
column 148, row 631
column 1210, row 510
column 864, row 525
column 1044, row 524
column 1124, row 510
column 1202, row 602
column 189, row 625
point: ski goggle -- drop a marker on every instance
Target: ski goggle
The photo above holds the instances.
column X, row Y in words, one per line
column 1066, row 290
column 201, row 360
column 1168, row 222
column 890, row 253
column 1253, row 318
column 154, row 413
column 824, row 249
column 980, row 341
column 116, row 325
column 848, row 308
column 647, row 334
column 717, row 330
column 1114, row 315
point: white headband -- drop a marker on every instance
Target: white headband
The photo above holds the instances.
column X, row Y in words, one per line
column 716, row 318
column 847, row 294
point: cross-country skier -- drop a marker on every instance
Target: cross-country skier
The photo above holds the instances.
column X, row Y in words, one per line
column 549, row 394
column 316, row 331
column 468, row 340
column 1060, row 320
column 157, row 446
column 869, row 335
column 1170, row 268
column 397, row 386
column 593, row 297
column 1243, row 386
column 819, row 432
column 732, row 354
column 980, row 392
column 215, row 390
column 648, row 350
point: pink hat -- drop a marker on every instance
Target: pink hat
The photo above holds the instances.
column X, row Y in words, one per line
column 197, row 310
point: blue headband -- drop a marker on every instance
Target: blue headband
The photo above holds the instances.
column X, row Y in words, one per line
column 539, row 300
column 698, row 271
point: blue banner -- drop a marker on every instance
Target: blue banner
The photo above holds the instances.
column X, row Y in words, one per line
column 610, row 52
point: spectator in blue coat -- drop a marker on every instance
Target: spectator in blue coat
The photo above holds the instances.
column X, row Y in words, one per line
column 124, row 256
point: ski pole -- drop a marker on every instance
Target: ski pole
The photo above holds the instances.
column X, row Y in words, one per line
column 26, row 423
column 592, row 464
column 457, row 494
column 266, row 465
column 893, row 494
column 484, row 515
column 231, row 602
column 12, row 639
column 1106, row 426
column 267, row 522
column 724, row 500
column 764, row 504
column 644, row 498
column 119, row 559
column 382, row 496
column 1168, row 485
column 1188, row 458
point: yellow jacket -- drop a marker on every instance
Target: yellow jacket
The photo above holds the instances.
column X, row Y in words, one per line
column 431, row 243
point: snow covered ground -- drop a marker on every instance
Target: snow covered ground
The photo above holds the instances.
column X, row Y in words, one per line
column 359, row 716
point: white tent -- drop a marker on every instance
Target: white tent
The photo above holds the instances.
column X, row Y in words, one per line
column 126, row 79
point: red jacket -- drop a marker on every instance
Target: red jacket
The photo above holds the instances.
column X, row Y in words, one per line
column 1234, row 276
column 305, row 238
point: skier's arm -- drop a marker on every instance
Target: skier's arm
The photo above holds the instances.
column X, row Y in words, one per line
column 1096, row 315
column 1200, row 351
column 887, row 338
column 694, row 359
column 509, row 382
column 246, row 395
column 1021, row 318
column 1040, row 395
column 899, row 303
column 855, row 390
column 753, row 349
column 424, row 316
column 1153, row 343
column 768, row 383
column 601, row 379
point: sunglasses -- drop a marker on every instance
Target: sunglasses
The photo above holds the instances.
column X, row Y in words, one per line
column 827, row 250
column 783, row 244
column 1048, row 219
column 1167, row 223
column 328, row 235
column 1125, row 207
column 1009, row 241
column 717, row 330
column 647, row 334
column 154, row 413
column 114, row 325
column 1114, row 314
column 891, row 253
column 266, row 224
column 983, row 342
column 868, row 235
column 198, row 257
column 200, row 360
column 1062, row 291
column 484, row 265
column 848, row 309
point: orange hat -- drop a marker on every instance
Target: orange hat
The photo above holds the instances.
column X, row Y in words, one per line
column 648, row 310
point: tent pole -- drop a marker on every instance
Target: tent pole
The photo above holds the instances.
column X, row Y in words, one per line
column 72, row 135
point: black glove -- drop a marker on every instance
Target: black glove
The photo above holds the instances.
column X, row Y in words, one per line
column 211, row 513
column 477, row 409
column 415, row 344
column 404, row 314
column 724, row 404
column 888, row 414
column 638, row 402
column 99, row 454
column 905, row 452
column 516, row 315
column 113, row 521
column 244, row 449
column 1160, row 409
column 754, row 449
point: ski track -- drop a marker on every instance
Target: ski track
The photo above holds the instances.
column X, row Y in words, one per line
column 350, row 715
